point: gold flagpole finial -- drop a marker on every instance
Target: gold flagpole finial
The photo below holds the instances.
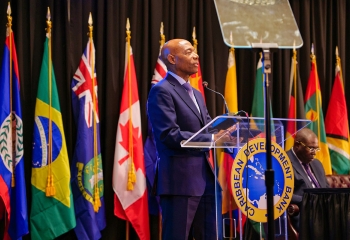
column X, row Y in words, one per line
column 48, row 22
column 128, row 32
column 337, row 58
column 336, row 51
column 48, row 14
column 9, row 18
column 90, row 19
column 8, row 8
column 90, row 26
column 162, row 36
column 195, row 42
column 232, row 49
column 161, row 29
column 312, row 56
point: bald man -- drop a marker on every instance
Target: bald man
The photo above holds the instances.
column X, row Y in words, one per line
column 186, row 182
column 308, row 171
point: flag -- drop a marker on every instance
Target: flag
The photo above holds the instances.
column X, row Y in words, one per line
column 337, row 125
column 231, row 82
column 52, row 212
column 129, row 180
column 12, row 181
column 87, row 172
column 150, row 150
column 195, row 79
column 225, row 159
column 258, row 107
column 313, row 112
column 160, row 70
column 296, row 103
column 226, row 156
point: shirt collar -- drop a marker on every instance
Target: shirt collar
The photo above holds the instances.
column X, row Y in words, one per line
column 177, row 77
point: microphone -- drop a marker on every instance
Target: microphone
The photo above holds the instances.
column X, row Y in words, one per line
column 205, row 84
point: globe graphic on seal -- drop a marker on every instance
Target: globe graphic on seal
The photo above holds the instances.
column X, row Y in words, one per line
column 254, row 176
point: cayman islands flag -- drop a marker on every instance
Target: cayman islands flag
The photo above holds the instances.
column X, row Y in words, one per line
column 12, row 183
column 129, row 176
column 87, row 173
column 52, row 212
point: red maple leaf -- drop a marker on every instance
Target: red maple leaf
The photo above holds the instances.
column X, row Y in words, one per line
column 124, row 129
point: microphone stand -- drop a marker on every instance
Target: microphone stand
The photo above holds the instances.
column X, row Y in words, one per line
column 227, row 111
column 269, row 172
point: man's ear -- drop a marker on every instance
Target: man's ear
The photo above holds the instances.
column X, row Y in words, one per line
column 171, row 58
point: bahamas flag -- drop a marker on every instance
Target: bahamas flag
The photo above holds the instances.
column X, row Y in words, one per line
column 337, row 125
column 12, row 183
column 87, row 173
column 313, row 112
column 52, row 212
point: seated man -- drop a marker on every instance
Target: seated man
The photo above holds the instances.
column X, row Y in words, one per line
column 308, row 171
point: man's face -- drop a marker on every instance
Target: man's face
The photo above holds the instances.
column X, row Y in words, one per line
column 306, row 150
column 185, row 59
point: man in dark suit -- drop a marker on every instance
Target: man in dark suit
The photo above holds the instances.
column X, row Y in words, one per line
column 185, row 182
column 308, row 171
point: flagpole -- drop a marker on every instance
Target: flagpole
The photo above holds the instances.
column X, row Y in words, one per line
column 97, row 201
column 131, row 174
column 313, row 61
column 50, row 188
column 9, row 31
column 295, row 84
column 229, row 196
column 161, row 42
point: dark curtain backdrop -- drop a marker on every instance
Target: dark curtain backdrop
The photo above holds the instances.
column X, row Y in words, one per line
column 326, row 23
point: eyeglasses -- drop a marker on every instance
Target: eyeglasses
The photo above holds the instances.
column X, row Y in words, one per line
column 311, row 149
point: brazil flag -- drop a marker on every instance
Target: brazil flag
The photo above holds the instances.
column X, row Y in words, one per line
column 52, row 212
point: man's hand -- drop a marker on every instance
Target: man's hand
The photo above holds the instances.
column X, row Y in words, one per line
column 223, row 136
column 226, row 135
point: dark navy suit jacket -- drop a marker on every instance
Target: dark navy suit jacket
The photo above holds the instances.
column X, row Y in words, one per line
column 174, row 118
column 301, row 180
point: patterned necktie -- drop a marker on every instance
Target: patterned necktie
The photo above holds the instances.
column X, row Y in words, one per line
column 312, row 177
column 189, row 90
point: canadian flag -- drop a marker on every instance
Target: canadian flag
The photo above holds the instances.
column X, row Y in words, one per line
column 129, row 180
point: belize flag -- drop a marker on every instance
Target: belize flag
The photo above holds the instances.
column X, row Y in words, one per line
column 12, row 183
column 86, row 169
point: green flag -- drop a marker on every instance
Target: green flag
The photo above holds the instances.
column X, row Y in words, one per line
column 258, row 108
column 52, row 212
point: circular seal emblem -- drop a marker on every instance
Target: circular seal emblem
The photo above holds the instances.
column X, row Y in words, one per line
column 248, row 180
column 11, row 141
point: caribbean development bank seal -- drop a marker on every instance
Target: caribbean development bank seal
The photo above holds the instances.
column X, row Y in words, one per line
column 248, row 180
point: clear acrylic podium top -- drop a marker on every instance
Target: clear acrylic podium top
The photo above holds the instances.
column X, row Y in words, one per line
column 243, row 129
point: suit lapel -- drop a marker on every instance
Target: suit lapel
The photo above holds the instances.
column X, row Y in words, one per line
column 317, row 174
column 300, row 170
column 181, row 91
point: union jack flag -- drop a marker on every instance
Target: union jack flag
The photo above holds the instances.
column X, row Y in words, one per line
column 83, row 86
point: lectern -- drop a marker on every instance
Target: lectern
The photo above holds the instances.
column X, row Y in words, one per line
column 248, row 137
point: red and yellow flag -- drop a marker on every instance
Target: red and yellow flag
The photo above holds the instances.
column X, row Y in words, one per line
column 196, row 78
column 313, row 111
